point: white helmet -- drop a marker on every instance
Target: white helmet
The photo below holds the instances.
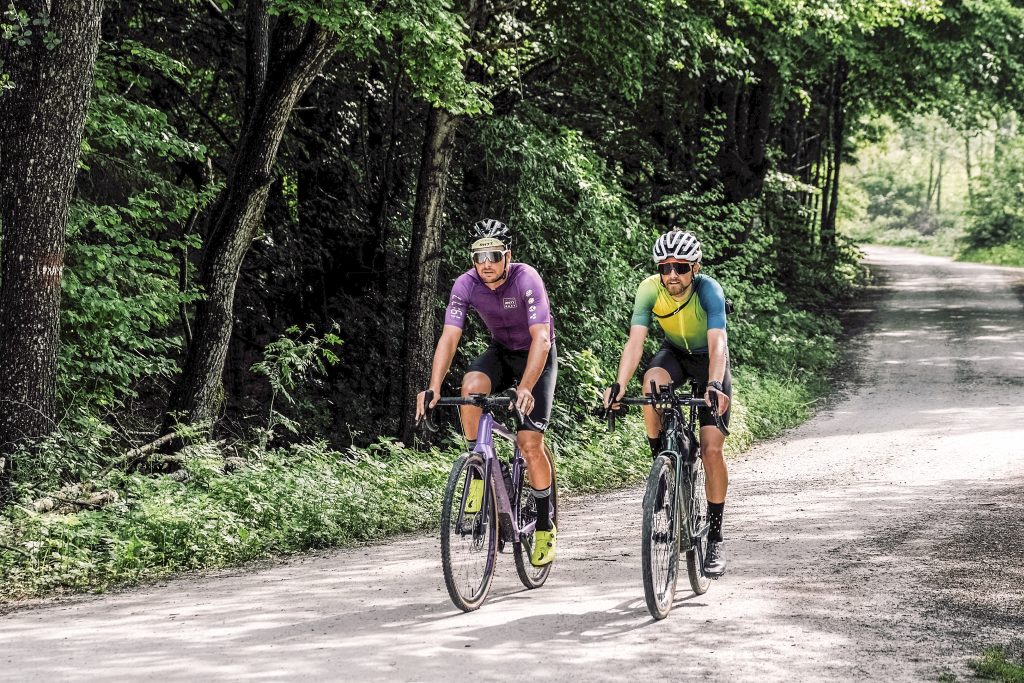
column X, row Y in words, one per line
column 677, row 244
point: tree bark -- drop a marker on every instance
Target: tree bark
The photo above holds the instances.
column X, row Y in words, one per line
column 425, row 258
column 967, row 166
column 41, row 123
column 425, row 252
column 837, row 127
column 297, row 55
column 742, row 158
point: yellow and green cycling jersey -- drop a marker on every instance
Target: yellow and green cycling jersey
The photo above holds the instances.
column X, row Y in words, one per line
column 686, row 322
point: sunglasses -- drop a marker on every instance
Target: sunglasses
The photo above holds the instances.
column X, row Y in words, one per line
column 488, row 256
column 681, row 268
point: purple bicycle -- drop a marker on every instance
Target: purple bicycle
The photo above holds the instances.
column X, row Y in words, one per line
column 675, row 502
column 475, row 529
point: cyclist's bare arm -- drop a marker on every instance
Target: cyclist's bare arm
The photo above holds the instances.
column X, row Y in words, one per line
column 718, row 350
column 631, row 354
column 443, row 355
column 540, row 346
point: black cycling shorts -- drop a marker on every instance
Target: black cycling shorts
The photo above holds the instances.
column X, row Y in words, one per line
column 505, row 367
column 682, row 366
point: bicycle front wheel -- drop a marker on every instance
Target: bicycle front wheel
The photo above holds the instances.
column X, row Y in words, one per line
column 660, row 552
column 468, row 538
column 697, row 512
column 533, row 577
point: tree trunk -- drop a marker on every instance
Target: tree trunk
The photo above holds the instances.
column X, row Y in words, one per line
column 297, row 56
column 425, row 259
column 838, row 130
column 967, row 166
column 425, row 252
column 41, row 122
column 742, row 157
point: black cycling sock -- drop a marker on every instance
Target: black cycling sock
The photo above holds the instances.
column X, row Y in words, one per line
column 543, row 509
column 655, row 444
column 471, row 444
column 715, row 512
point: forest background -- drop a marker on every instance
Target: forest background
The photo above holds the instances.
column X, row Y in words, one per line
column 228, row 230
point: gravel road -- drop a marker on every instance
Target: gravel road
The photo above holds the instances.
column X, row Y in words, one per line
column 883, row 540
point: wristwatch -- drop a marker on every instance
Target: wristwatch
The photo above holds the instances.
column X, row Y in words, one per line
column 716, row 385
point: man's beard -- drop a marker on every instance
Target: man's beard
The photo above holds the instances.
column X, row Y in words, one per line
column 675, row 289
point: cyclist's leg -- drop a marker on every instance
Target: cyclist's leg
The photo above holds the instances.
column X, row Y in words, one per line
column 663, row 369
column 531, row 443
column 531, row 432
column 711, row 438
column 716, row 482
column 484, row 373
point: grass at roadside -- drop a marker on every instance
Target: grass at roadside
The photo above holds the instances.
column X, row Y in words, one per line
column 1003, row 255
column 995, row 665
column 308, row 496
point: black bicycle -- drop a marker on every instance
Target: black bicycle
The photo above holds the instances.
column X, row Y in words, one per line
column 675, row 502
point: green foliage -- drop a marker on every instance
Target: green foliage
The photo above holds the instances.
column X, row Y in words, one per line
column 296, row 358
column 127, row 234
column 1010, row 254
column 996, row 666
column 573, row 222
column 995, row 217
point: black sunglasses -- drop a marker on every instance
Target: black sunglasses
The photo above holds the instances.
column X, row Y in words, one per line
column 681, row 268
column 488, row 256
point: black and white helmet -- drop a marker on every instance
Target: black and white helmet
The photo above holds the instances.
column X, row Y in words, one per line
column 677, row 244
column 490, row 229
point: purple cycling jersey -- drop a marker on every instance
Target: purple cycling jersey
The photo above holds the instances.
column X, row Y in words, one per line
column 508, row 311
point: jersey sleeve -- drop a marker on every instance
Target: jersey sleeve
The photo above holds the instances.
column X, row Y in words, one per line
column 458, row 303
column 643, row 304
column 712, row 300
column 532, row 289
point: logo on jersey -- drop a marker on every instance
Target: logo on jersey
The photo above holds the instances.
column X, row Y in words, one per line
column 455, row 312
column 530, row 300
column 529, row 292
column 510, row 302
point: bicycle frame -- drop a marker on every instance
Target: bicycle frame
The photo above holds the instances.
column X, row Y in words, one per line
column 507, row 509
column 682, row 443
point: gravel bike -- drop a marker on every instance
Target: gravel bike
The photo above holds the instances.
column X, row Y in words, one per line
column 471, row 536
column 675, row 502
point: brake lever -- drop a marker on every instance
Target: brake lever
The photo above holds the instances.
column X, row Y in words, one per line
column 425, row 422
column 719, row 422
column 514, row 406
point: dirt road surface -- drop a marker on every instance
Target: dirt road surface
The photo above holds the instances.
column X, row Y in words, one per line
column 882, row 540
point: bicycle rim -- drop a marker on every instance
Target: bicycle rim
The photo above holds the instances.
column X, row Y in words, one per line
column 697, row 512
column 532, row 577
column 468, row 540
column 660, row 547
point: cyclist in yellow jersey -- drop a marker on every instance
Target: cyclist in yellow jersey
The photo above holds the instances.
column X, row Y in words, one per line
column 691, row 310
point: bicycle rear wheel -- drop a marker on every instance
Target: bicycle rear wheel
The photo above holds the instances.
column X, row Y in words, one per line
column 697, row 511
column 468, row 539
column 660, row 551
column 532, row 577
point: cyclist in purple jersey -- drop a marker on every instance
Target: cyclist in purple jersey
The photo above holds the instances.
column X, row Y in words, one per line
column 511, row 300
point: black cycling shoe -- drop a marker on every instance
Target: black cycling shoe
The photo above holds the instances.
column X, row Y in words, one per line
column 714, row 560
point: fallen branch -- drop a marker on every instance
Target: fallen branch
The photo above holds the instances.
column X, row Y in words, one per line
column 135, row 454
column 15, row 550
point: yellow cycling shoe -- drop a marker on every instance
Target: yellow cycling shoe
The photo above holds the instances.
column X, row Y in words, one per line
column 544, row 549
column 475, row 498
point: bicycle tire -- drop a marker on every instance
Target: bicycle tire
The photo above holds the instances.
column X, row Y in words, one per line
column 468, row 555
column 660, row 543
column 533, row 577
column 697, row 510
